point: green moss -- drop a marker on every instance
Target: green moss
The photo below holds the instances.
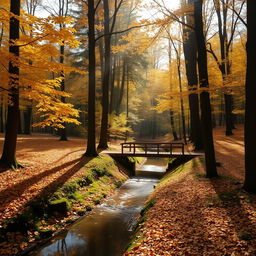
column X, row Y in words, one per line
column 138, row 236
column 134, row 242
column 77, row 196
column 150, row 203
column 62, row 203
column 173, row 174
column 136, row 159
column 170, row 160
column 70, row 187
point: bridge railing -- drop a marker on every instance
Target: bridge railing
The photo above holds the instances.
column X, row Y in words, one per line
column 164, row 147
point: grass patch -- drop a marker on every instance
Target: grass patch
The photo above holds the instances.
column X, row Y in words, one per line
column 170, row 160
column 174, row 174
column 137, row 160
column 150, row 203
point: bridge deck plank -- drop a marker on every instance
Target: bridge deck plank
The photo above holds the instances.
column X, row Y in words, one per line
column 153, row 154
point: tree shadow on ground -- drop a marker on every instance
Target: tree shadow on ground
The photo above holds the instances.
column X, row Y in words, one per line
column 2, row 169
column 63, row 178
column 11, row 193
column 237, row 204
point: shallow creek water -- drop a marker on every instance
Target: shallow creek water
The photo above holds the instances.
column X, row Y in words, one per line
column 107, row 230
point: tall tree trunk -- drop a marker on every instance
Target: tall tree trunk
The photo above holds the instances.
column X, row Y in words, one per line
column 91, row 136
column 182, row 106
column 1, row 34
column 103, row 143
column 101, row 56
column 250, row 95
column 206, row 116
column 121, row 93
column 8, row 158
column 127, row 101
column 112, row 89
column 190, row 54
column 174, row 133
column 1, row 114
column 63, row 131
column 118, row 83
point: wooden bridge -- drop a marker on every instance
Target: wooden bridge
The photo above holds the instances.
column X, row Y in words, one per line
column 153, row 149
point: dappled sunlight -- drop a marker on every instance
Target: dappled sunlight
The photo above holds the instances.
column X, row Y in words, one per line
column 230, row 153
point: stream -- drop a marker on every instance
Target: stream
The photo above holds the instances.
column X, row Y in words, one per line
column 108, row 229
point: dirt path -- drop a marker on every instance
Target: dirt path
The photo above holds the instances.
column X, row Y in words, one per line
column 230, row 152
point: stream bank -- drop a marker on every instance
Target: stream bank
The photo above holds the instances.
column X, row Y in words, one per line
column 107, row 230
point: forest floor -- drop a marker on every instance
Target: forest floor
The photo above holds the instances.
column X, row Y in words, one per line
column 202, row 223
column 47, row 161
column 193, row 215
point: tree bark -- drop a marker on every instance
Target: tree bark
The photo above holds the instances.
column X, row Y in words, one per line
column 190, row 54
column 250, row 95
column 103, row 143
column 206, row 117
column 121, row 93
column 91, row 136
column 112, row 89
column 1, row 114
column 127, row 101
column 174, row 133
column 182, row 104
column 63, row 131
column 8, row 159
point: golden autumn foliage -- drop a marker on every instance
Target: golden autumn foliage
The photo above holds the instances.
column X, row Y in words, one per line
column 40, row 71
